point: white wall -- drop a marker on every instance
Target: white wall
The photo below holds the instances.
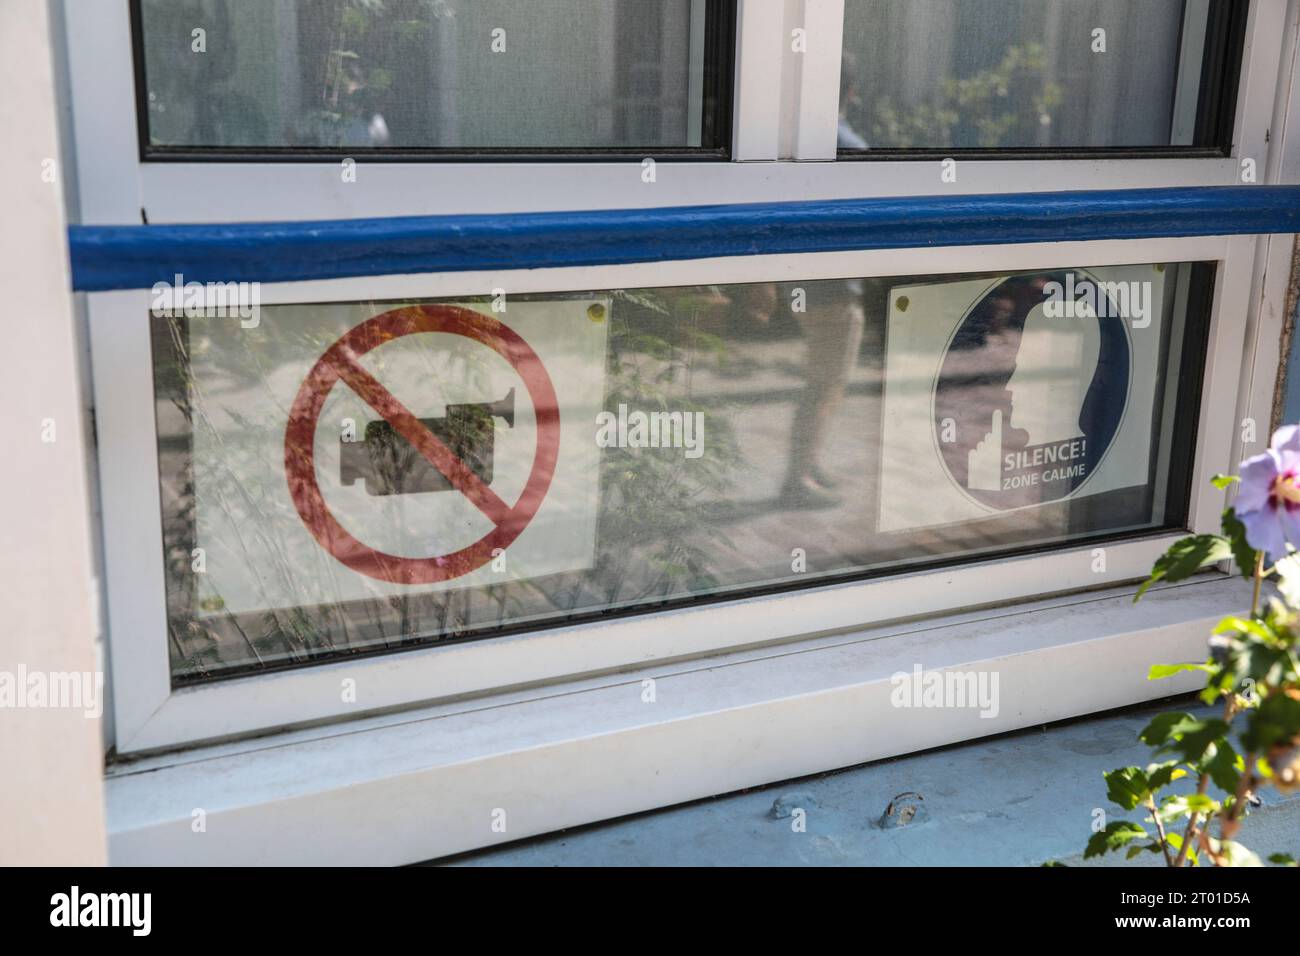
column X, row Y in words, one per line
column 51, row 800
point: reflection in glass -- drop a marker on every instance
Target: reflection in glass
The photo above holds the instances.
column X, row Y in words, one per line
column 423, row 73
column 935, row 74
column 676, row 443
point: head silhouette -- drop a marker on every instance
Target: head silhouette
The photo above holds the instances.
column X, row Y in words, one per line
column 1055, row 365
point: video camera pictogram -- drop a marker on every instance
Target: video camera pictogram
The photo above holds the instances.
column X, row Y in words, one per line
column 391, row 466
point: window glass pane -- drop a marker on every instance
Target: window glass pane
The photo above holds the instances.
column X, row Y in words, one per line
column 1021, row 73
column 456, row 74
column 362, row 476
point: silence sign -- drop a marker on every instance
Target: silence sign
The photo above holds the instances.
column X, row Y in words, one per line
column 340, row 363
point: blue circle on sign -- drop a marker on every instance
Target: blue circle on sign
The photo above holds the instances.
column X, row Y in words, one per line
column 1032, row 389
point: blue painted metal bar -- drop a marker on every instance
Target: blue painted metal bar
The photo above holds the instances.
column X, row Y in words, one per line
column 125, row 257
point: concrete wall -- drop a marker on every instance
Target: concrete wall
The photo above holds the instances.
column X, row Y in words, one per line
column 51, row 800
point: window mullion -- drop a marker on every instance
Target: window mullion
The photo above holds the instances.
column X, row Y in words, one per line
column 818, row 72
column 760, row 28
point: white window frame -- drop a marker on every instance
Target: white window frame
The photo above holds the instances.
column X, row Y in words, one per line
column 150, row 715
column 780, row 109
column 426, row 783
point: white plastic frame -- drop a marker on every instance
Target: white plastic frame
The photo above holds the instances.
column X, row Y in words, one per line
column 150, row 715
column 780, row 109
column 114, row 187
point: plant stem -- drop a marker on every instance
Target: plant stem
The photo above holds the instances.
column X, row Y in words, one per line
column 1160, row 829
column 1232, row 820
column 1201, row 787
column 1204, row 839
column 1259, row 579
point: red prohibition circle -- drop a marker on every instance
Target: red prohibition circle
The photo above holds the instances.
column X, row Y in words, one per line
column 340, row 364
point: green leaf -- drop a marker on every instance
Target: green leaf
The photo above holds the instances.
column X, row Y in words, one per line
column 1276, row 720
column 1185, row 557
column 1242, row 552
column 1239, row 625
column 1127, row 786
column 1183, row 734
column 1175, row 840
column 1162, row 774
column 1118, row 834
column 1161, row 726
column 1160, row 671
column 1182, row 805
column 1134, row 851
column 1282, row 859
column 1202, row 803
column 1267, row 665
column 1223, row 481
column 1193, row 740
column 1225, row 767
column 1211, row 693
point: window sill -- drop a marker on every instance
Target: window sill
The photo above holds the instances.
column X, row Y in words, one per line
column 1017, row 799
column 425, row 784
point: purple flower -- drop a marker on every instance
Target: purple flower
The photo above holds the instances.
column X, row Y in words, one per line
column 1268, row 502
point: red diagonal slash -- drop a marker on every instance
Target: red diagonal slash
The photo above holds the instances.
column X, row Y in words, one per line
column 346, row 363
column 341, row 363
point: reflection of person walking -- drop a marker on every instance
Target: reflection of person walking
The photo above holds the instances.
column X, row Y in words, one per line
column 832, row 328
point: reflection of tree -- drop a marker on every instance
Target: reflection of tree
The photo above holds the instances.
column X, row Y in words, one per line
column 200, row 641
column 656, row 506
column 654, row 536
column 193, row 97
column 348, row 55
column 351, row 46
column 990, row 104
column 239, row 434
